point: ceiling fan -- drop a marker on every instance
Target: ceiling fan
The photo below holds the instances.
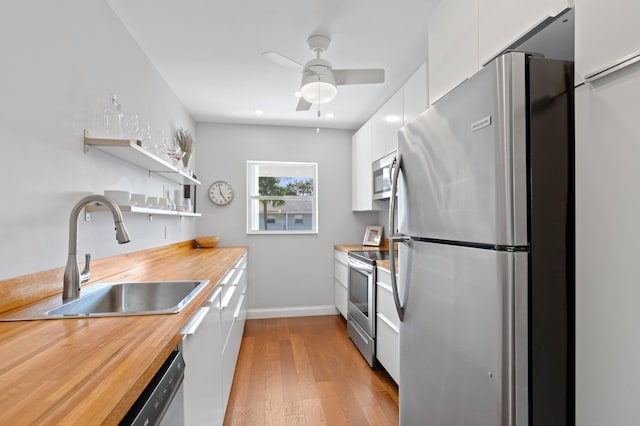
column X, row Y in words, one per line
column 319, row 80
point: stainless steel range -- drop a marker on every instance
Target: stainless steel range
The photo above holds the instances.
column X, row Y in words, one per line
column 361, row 318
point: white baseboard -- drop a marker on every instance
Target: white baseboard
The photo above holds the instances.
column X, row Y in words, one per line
column 302, row 311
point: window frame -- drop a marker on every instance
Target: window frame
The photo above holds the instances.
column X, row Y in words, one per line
column 252, row 185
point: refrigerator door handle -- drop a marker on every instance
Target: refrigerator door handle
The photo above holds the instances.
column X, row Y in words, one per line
column 395, row 236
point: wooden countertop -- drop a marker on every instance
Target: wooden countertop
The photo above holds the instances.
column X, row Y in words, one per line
column 355, row 247
column 90, row 371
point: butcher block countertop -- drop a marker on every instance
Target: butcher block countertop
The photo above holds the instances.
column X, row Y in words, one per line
column 354, row 247
column 90, row 371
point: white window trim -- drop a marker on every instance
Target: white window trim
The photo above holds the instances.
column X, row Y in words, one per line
column 250, row 198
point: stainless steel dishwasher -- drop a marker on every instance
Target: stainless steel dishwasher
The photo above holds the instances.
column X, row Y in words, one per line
column 162, row 401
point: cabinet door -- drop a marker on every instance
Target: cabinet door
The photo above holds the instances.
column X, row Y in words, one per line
column 453, row 45
column 385, row 124
column 393, row 113
column 361, row 185
column 203, row 373
column 606, row 31
column 502, row 22
column 607, row 290
column 414, row 95
column 387, row 326
column 341, row 275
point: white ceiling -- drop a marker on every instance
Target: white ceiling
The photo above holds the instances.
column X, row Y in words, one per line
column 208, row 51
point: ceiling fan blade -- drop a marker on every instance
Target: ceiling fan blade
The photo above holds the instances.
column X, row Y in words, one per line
column 362, row 76
column 303, row 105
column 282, row 60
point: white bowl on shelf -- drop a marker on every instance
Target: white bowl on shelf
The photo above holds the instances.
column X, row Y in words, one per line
column 118, row 196
column 152, row 202
column 139, row 199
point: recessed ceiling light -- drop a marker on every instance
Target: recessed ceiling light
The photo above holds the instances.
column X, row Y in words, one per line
column 393, row 118
column 258, row 111
column 329, row 115
column 297, row 94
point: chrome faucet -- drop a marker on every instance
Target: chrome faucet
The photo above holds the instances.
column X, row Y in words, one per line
column 73, row 278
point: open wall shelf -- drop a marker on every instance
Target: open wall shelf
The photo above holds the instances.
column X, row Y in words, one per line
column 130, row 151
column 143, row 210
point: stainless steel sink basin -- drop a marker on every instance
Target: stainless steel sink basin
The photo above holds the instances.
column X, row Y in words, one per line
column 134, row 298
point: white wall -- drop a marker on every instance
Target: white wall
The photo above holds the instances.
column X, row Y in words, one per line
column 285, row 271
column 60, row 60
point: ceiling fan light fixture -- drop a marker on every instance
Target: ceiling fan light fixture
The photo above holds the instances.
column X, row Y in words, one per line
column 318, row 92
column 318, row 84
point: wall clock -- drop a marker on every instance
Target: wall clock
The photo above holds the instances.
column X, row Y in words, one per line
column 220, row 193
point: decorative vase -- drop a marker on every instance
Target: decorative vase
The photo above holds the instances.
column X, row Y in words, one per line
column 185, row 159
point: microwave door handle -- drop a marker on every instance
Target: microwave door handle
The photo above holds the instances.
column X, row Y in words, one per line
column 396, row 237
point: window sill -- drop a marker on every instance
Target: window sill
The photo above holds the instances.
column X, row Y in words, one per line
column 282, row 232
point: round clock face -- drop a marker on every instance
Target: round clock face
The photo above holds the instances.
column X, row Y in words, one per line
column 220, row 193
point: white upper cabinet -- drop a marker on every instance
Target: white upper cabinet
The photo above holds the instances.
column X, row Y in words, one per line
column 415, row 94
column 361, row 184
column 503, row 22
column 606, row 33
column 379, row 136
column 466, row 34
column 453, row 45
column 385, row 125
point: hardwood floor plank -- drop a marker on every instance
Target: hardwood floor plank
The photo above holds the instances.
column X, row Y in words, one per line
column 331, row 404
column 313, row 412
column 306, row 371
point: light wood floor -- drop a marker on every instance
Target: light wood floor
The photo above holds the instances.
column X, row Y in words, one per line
column 306, row 371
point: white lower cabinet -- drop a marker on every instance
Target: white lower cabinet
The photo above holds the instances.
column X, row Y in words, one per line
column 203, row 375
column 210, row 348
column 234, row 313
column 341, row 276
column 387, row 326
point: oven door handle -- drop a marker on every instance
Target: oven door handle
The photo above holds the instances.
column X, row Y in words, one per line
column 360, row 266
column 395, row 237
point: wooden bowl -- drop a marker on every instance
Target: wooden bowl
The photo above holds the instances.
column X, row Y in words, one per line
column 207, row 242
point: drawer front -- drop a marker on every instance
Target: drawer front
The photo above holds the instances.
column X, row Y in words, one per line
column 383, row 276
column 230, row 297
column 385, row 304
column 340, row 297
column 340, row 268
column 341, row 256
column 387, row 347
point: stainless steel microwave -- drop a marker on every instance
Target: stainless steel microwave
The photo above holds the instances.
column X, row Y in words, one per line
column 381, row 174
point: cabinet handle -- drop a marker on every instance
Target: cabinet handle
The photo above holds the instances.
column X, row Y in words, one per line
column 239, row 262
column 195, row 322
column 215, row 294
column 238, row 277
column 239, row 307
column 227, row 297
column 227, row 277
column 615, row 67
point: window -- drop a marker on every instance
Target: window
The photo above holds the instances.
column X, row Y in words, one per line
column 282, row 197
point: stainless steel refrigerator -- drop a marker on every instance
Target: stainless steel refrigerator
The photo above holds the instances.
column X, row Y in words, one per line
column 485, row 224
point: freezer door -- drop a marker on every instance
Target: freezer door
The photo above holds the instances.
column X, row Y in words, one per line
column 464, row 161
column 460, row 362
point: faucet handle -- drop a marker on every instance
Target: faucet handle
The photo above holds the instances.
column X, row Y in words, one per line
column 86, row 272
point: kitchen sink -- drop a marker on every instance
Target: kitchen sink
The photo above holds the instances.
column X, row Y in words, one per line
column 130, row 298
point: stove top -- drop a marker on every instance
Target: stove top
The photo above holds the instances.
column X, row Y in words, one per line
column 370, row 256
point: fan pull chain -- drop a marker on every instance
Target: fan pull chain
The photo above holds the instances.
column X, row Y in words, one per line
column 319, row 114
